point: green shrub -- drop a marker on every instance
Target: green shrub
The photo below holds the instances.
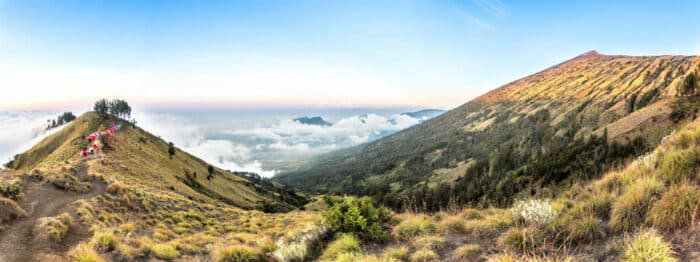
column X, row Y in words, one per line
column 598, row 205
column 630, row 209
column 357, row 216
column 675, row 208
column 345, row 243
column 165, row 251
column 677, row 166
column 469, row 252
column 647, row 246
column 236, row 254
column 424, row 255
column 414, row 226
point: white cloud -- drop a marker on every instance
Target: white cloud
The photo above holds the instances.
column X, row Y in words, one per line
column 20, row 130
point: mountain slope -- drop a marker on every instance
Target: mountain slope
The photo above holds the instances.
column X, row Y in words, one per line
column 140, row 158
column 534, row 132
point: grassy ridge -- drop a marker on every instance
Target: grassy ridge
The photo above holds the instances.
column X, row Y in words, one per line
column 529, row 134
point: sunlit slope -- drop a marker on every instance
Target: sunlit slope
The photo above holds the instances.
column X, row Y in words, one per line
column 141, row 159
column 533, row 132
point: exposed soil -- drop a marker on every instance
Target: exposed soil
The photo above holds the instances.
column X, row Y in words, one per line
column 44, row 200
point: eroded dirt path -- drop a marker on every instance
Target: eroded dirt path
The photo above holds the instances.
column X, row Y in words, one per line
column 44, row 200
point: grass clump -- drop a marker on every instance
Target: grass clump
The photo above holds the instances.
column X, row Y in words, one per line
column 524, row 240
column 471, row 213
column 59, row 226
column 414, row 226
column 11, row 188
column 9, row 209
column 424, row 255
column 435, row 243
column 586, row 229
column 104, row 242
column 83, row 253
column 630, row 209
column 400, row 253
column 647, row 246
column 344, row 244
column 165, row 251
column 677, row 166
column 236, row 254
column 676, row 207
column 469, row 252
column 453, row 224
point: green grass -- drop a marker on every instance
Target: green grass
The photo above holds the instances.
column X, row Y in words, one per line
column 647, row 246
column 11, row 188
column 676, row 208
column 677, row 166
column 524, row 240
column 59, row 226
column 586, row 229
column 104, row 242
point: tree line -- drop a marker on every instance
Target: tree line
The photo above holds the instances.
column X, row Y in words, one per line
column 116, row 107
column 64, row 118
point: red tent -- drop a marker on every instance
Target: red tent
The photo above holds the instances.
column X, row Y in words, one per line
column 84, row 153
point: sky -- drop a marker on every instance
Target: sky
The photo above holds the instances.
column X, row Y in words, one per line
column 402, row 53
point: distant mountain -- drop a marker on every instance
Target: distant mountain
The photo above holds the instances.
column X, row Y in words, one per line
column 316, row 121
column 424, row 114
column 572, row 121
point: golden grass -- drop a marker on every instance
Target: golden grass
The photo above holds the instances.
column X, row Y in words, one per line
column 631, row 207
column 647, row 245
column 415, row 225
column 676, row 209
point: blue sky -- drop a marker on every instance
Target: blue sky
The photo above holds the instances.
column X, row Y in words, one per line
column 313, row 53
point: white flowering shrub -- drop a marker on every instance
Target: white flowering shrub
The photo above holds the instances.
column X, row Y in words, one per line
column 534, row 212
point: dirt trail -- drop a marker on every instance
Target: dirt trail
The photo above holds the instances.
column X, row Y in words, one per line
column 44, row 200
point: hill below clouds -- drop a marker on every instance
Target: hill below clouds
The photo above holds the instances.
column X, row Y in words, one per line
column 571, row 121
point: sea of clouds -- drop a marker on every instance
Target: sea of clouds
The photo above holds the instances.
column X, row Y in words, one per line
column 262, row 144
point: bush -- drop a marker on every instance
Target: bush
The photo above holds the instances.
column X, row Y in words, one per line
column 676, row 207
column 236, row 254
column 598, row 205
column 586, row 229
column 9, row 210
column 647, row 246
column 104, row 242
column 680, row 165
column 414, row 226
column 534, row 212
column 469, row 252
column 357, row 216
column 524, row 240
column 424, row 255
column 83, row 253
column 165, row 251
column 630, row 209
column 345, row 243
